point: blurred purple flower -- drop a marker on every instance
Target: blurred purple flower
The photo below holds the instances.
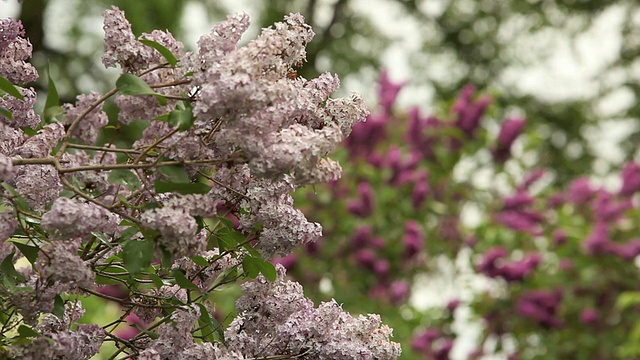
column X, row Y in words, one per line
column 630, row 179
column 422, row 341
column 542, row 306
column 365, row 205
column 362, row 237
column 366, row 258
column 560, row 237
column 365, row 136
column 413, row 239
column 289, row 262
column 608, row 209
column 511, row 129
column 399, row 292
column 580, row 191
column 469, row 112
column 389, row 91
column 589, row 316
column 598, row 242
column 421, row 189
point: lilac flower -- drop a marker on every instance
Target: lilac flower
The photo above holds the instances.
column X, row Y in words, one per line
column 62, row 264
column 274, row 318
column 542, row 306
column 366, row 258
column 422, row 342
column 365, row 205
column 421, row 189
column 41, row 144
column 580, row 191
column 366, row 136
column 6, row 168
column 560, row 237
column 38, row 184
column 178, row 229
column 521, row 220
column 388, row 91
column 361, row 237
column 87, row 130
column 469, row 111
column 14, row 51
column 72, row 218
column 511, row 129
column 10, row 139
column 21, row 110
column 399, row 291
column 413, row 239
column 608, row 209
column 630, row 179
column 589, row 316
column 598, row 242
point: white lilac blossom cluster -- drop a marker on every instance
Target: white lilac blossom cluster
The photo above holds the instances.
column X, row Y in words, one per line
column 198, row 199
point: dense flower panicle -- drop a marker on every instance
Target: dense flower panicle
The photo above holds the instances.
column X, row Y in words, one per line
column 40, row 144
column 542, row 306
column 511, row 129
column 413, row 239
column 630, row 179
column 580, row 191
column 10, row 139
column 21, row 110
column 470, row 112
column 175, row 336
column 80, row 344
column 178, row 229
column 7, row 226
column 276, row 319
column 62, row 265
column 71, row 218
column 388, row 91
column 222, row 39
column 91, row 123
column 38, row 184
column 14, row 51
column 609, row 209
column 120, row 44
column 284, row 226
column 365, row 204
column 6, row 168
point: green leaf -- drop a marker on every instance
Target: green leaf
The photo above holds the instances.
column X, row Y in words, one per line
column 183, row 281
column 182, row 188
column 268, row 270
column 125, row 177
column 9, row 272
column 175, row 173
column 628, row 299
column 183, row 118
column 129, row 84
column 6, row 113
column 209, row 325
column 30, row 252
column 137, row 255
column 58, row 307
column 25, row 332
column 199, row 260
column 171, row 59
column 250, row 266
column 9, row 88
column 157, row 280
column 52, row 106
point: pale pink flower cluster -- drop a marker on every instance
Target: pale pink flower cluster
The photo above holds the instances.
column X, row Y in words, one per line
column 72, row 218
column 14, row 51
column 276, row 318
column 87, row 130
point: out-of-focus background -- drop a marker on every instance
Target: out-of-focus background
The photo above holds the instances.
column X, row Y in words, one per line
column 570, row 67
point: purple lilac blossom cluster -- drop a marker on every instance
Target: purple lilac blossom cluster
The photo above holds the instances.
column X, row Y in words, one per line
column 184, row 207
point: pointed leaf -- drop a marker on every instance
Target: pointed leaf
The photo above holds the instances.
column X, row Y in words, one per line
column 183, row 281
column 129, row 84
column 137, row 255
column 9, row 88
column 171, row 59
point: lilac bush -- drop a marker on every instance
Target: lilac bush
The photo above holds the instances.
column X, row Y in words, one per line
column 198, row 199
column 553, row 265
